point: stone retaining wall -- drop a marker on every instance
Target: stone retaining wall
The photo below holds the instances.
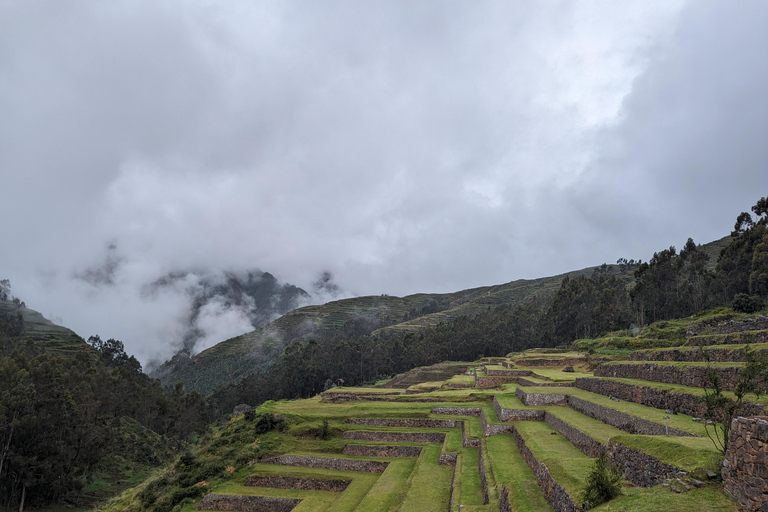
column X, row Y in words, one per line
column 466, row 442
column 639, row 468
column 526, row 382
column 516, row 414
column 504, row 505
column 457, row 411
column 720, row 326
column 493, row 429
column 395, row 437
column 407, row 423
column 554, row 493
column 694, row 376
column 540, row 398
column 586, row 444
column 247, row 503
column 453, row 484
column 290, row 482
column 736, row 338
column 623, row 421
column 684, row 403
column 508, row 373
column 745, row 468
column 364, row 466
column 360, row 450
column 717, row 355
column 492, row 382
column 568, row 361
column 448, row 459
column 752, row 324
column 483, row 477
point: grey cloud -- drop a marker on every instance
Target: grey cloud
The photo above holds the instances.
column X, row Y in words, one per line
column 401, row 147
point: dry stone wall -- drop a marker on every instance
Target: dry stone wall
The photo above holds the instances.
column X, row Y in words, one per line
column 717, row 355
column 406, row 423
column 720, row 326
column 508, row 373
column 516, row 414
column 448, row 459
column 360, row 450
column 736, row 338
column 395, row 437
column 363, row 466
column 623, row 421
column 492, row 382
column 586, row 444
column 247, row 503
column 540, row 398
column 483, row 477
column 694, row 376
column 304, row 484
column 554, row 493
column 457, row 411
column 684, row 403
column 568, row 361
column 526, row 382
column 745, row 468
column 639, row 468
column 504, row 505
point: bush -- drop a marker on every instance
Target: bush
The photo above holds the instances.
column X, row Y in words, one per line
column 268, row 422
column 603, row 483
column 743, row 303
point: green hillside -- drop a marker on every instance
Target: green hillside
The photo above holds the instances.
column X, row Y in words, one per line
column 40, row 334
column 253, row 352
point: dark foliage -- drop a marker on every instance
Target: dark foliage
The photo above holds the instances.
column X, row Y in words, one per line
column 59, row 417
column 603, row 483
column 743, row 303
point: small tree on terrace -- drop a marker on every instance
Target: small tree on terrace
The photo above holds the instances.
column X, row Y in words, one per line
column 721, row 409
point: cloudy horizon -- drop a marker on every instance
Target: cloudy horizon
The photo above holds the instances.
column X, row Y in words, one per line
column 403, row 147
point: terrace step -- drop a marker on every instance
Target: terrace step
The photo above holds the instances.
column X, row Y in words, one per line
column 717, row 353
column 736, row 338
column 684, row 374
column 630, row 417
column 560, row 468
column 676, row 398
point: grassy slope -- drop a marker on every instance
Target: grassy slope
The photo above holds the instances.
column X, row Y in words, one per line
column 44, row 334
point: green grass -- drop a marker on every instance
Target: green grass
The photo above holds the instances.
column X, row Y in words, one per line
column 469, row 477
column 568, row 466
column 677, row 388
column 384, row 492
column 688, row 453
column 510, row 469
column 428, row 488
column 710, row 498
column 679, row 421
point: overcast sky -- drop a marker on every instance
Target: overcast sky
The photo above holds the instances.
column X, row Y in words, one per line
column 404, row 146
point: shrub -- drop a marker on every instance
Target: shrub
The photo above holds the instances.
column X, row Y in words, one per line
column 268, row 422
column 603, row 483
column 744, row 303
column 325, row 430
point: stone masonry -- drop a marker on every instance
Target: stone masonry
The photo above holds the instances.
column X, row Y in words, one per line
column 684, row 403
column 694, row 376
column 247, row 503
column 639, row 468
column 395, row 437
column 364, row 466
column 745, row 468
column 360, row 450
column 304, row 484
